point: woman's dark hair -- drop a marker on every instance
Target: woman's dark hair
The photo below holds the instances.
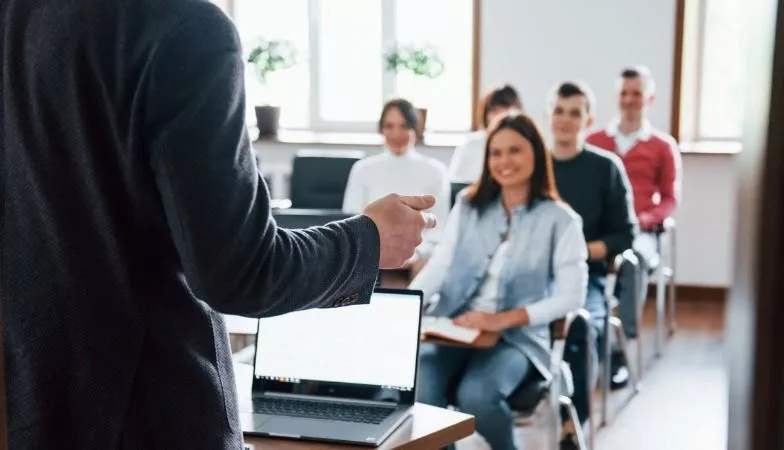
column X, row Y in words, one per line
column 542, row 183
column 406, row 109
column 504, row 96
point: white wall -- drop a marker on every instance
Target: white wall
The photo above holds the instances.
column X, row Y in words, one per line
column 706, row 221
column 534, row 44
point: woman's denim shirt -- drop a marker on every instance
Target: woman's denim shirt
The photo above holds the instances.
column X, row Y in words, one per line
column 545, row 270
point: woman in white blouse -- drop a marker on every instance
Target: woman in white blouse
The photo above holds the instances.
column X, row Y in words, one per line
column 512, row 260
column 468, row 158
column 399, row 169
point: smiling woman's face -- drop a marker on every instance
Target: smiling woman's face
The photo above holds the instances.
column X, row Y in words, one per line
column 510, row 159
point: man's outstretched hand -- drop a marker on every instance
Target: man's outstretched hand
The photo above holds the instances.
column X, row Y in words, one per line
column 400, row 221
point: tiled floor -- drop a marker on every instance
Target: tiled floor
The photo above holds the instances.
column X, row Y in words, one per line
column 683, row 400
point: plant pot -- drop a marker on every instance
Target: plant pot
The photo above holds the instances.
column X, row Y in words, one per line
column 267, row 121
column 420, row 131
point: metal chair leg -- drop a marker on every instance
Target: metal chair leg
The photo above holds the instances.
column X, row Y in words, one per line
column 589, row 386
column 640, row 358
column 555, row 436
column 617, row 326
column 606, row 372
column 671, row 285
column 660, row 299
column 639, row 308
column 566, row 402
column 640, row 352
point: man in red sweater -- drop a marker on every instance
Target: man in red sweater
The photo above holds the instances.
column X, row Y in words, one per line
column 651, row 157
column 653, row 164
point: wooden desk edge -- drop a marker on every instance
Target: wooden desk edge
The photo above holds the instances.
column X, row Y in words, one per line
column 443, row 437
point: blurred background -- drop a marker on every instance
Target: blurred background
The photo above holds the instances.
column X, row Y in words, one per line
column 320, row 71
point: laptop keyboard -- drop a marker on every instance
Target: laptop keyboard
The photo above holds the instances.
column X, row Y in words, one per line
column 321, row 410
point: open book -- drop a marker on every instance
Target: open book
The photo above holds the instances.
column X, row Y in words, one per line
column 444, row 328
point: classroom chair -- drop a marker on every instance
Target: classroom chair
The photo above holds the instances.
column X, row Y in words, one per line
column 536, row 391
column 613, row 326
column 664, row 274
column 319, row 178
column 455, row 189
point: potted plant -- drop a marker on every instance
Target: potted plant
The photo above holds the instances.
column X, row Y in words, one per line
column 268, row 57
column 422, row 63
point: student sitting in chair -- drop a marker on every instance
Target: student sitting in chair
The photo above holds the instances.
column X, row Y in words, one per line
column 594, row 183
column 399, row 169
column 468, row 158
column 653, row 162
column 512, row 260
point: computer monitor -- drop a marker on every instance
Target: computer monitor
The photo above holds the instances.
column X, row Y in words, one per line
column 361, row 351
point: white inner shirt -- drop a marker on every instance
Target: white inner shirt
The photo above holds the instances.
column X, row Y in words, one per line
column 468, row 159
column 624, row 142
column 486, row 299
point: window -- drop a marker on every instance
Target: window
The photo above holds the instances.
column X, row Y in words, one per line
column 350, row 64
column 448, row 97
column 713, row 86
column 340, row 81
column 286, row 20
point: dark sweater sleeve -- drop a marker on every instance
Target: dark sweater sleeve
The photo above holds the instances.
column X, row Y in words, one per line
column 619, row 223
column 216, row 204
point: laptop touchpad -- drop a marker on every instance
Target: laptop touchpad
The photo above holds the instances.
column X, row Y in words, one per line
column 296, row 426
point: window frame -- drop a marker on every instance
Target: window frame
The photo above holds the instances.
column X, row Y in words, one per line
column 318, row 124
column 689, row 68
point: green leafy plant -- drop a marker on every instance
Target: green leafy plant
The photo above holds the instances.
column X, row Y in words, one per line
column 270, row 56
column 420, row 61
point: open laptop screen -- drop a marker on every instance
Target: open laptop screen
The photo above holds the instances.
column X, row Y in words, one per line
column 371, row 345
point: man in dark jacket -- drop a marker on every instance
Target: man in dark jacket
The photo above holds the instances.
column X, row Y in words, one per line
column 594, row 183
column 133, row 215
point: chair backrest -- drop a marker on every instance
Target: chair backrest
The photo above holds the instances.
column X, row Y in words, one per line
column 319, row 178
column 456, row 188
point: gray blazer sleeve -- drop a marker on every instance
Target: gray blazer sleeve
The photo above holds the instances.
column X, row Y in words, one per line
column 233, row 255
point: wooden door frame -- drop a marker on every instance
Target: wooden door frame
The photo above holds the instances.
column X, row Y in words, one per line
column 755, row 316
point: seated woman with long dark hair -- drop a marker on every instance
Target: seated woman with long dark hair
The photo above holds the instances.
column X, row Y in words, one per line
column 512, row 259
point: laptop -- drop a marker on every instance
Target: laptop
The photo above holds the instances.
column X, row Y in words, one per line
column 344, row 375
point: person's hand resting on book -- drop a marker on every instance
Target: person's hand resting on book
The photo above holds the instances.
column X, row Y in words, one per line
column 493, row 322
